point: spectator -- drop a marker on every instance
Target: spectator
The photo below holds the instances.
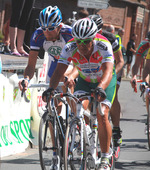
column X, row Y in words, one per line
column 6, row 37
column 119, row 35
column 130, row 52
column 21, row 10
column 110, row 28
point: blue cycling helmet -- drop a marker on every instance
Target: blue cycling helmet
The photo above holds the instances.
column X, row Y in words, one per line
column 50, row 17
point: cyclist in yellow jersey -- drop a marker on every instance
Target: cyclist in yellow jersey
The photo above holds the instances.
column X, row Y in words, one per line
column 119, row 62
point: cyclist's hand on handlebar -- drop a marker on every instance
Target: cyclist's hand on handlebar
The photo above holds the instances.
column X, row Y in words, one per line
column 47, row 94
column 69, row 81
column 100, row 94
column 143, row 87
column 134, row 84
column 23, row 84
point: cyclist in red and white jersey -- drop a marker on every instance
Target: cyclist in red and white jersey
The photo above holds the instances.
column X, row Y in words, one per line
column 92, row 55
column 140, row 54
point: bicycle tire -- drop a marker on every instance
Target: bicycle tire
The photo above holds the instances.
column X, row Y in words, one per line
column 45, row 143
column 72, row 150
column 148, row 126
column 112, row 158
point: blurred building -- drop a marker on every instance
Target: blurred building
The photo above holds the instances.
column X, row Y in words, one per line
column 132, row 15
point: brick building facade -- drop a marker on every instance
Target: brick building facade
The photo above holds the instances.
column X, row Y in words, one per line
column 132, row 15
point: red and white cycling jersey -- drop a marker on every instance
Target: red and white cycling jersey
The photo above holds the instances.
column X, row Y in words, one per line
column 90, row 70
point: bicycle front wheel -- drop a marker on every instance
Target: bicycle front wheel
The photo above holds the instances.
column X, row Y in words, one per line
column 72, row 147
column 45, row 143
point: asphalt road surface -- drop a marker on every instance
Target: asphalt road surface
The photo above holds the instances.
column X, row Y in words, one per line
column 134, row 152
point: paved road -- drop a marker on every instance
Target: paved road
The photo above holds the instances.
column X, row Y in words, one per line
column 134, row 152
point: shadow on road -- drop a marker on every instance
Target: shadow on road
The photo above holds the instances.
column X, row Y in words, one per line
column 134, row 164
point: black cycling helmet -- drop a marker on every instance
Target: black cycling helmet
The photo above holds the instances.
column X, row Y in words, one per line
column 98, row 20
column 148, row 35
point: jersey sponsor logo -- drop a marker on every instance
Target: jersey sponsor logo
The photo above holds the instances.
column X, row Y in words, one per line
column 93, row 70
column 102, row 46
column 55, row 50
column 35, row 36
column 143, row 48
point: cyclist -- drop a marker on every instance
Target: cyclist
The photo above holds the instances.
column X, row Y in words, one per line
column 119, row 62
column 92, row 55
column 141, row 52
column 52, row 35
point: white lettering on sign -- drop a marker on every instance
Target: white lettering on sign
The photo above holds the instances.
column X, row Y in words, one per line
column 102, row 4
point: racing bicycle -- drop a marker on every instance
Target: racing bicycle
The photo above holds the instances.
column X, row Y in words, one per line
column 143, row 89
column 81, row 146
column 50, row 119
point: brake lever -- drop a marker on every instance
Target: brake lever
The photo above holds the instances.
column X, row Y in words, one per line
column 23, row 85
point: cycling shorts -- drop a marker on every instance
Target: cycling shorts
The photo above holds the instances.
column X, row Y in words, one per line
column 119, row 75
column 85, row 86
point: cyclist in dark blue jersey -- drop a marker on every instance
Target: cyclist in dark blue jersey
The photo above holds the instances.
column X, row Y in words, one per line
column 52, row 35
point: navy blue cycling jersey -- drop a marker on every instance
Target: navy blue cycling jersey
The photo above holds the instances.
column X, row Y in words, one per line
column 54, row 49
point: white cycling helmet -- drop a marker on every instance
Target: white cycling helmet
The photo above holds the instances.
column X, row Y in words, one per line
column 84, row 28
column 50, row 17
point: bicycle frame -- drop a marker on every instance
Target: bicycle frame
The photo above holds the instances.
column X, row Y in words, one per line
column 94, row 127
column 81, row 112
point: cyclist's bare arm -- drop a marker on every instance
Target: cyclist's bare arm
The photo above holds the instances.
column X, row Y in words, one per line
column 71, row 77
column 146, row 71
column 107, row 69
column 58, row 75
column 135, row 68
column 30, row 69
column 119, row 61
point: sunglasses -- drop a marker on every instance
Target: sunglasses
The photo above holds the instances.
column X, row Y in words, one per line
column 49, row 28
column 85, row 42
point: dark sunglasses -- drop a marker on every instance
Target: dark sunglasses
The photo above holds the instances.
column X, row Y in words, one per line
column 85, row 42
column 49, row 28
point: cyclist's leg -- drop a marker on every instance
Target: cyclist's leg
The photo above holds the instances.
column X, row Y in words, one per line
column 115, row 114
column 84, row 86
column 104, row 126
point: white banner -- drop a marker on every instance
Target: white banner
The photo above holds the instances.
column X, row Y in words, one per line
column 15, row 130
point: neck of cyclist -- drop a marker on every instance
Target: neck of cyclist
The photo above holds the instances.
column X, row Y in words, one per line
column 88, row 52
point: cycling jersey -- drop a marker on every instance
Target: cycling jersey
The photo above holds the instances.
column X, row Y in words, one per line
column 113, row 40
column 90, row 70
column 119, row 39
column 148, row 54
column 143, row 48
column 54, row 49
